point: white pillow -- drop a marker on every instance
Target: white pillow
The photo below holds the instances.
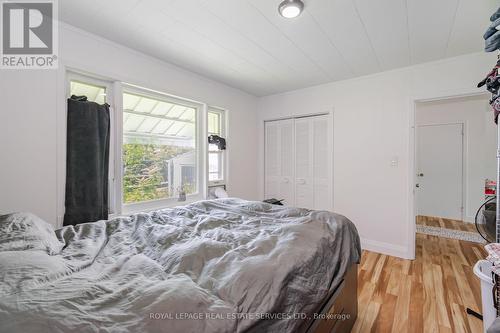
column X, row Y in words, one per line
column 25, row 231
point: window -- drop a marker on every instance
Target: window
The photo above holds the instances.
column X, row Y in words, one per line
column 160, row 141
column 160, row 147
column 97, row 90
column 216, row 158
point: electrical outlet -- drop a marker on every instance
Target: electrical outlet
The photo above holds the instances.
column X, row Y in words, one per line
column 395, row 161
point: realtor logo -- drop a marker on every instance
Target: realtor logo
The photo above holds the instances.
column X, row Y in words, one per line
column 29, row 37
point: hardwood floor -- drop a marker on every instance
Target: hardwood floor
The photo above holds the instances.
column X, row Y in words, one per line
column 446, row 223
column 428, row 294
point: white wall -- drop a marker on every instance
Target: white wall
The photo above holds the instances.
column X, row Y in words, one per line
column 479, row 142
column 373, row 119
column 32, row 119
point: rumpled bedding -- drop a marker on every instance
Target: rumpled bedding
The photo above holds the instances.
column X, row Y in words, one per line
column 225, row 265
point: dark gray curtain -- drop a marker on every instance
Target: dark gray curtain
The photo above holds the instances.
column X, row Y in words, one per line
column 87, row 161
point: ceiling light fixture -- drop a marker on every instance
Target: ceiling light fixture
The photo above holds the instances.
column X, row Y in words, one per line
column 291, row 8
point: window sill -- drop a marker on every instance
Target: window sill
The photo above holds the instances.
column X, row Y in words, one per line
column 150, row 206
column 215, row 183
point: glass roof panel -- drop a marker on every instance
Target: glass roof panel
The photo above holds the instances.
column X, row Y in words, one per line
column 145, row 105
column 94, row 93
column 176, row 127
column 189, row 114
column 187, row 131
column 133, row 122
column 130, row 101
column 148, row 124
column 162, row 126
column 157, row 118
column 177, row 111
column 125, row 116
column 162, row 108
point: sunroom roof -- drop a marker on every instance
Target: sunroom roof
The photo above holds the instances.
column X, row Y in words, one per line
column 147, row 117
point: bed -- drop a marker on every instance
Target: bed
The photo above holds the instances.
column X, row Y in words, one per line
column 225, row 265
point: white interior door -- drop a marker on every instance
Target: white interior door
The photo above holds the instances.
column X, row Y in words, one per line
column 304, row 157
column 440, row 171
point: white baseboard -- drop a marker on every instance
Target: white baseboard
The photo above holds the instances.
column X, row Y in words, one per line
column 386, row 248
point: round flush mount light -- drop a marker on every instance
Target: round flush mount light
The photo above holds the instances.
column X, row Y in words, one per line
column 291, row 8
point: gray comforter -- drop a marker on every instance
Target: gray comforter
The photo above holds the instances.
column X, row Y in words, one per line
column 213, row 266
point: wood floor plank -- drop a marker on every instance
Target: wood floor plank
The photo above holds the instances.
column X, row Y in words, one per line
column 460, row 323
column 394, row 282
column 380, row 292
column 437, row 275
column 372, row 312
column 475, row 287
column 440, row 222
column 464, row 288
column 402, row 311
column 430, row 303
column 416, row 317
column 429, row 294
column 385, row 318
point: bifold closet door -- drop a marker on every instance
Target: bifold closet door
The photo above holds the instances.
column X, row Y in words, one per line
column 279, row 164
column 313, row 163
column 304, row 163
column 298, row 162
column 287, row 191
column 322, row 163
column 272, row 160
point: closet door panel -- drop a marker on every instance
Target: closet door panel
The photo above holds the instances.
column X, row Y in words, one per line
column 303, row 163
column 272, row 160
column 287, row 191
column 298, row 166
column 322, row 151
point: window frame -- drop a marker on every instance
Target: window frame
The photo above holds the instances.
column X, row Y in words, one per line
column 114, row 97
column 223, row 153
column 200, row 131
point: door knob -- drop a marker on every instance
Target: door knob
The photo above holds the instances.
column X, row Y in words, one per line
column 417, row 185
column 420, row 175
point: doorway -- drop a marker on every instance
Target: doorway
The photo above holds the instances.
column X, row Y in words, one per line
column 455, row 157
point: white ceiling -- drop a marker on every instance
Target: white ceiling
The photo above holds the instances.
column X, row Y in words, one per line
column 248, row 45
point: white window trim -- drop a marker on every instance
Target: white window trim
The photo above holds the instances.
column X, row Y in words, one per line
column 201, row 115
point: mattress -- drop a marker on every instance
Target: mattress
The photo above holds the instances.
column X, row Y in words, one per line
column 225, row 265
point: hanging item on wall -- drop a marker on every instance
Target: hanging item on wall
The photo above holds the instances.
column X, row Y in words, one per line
column 490, row 187
column 492, row 34
column 492, row 82
column 217, row 140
